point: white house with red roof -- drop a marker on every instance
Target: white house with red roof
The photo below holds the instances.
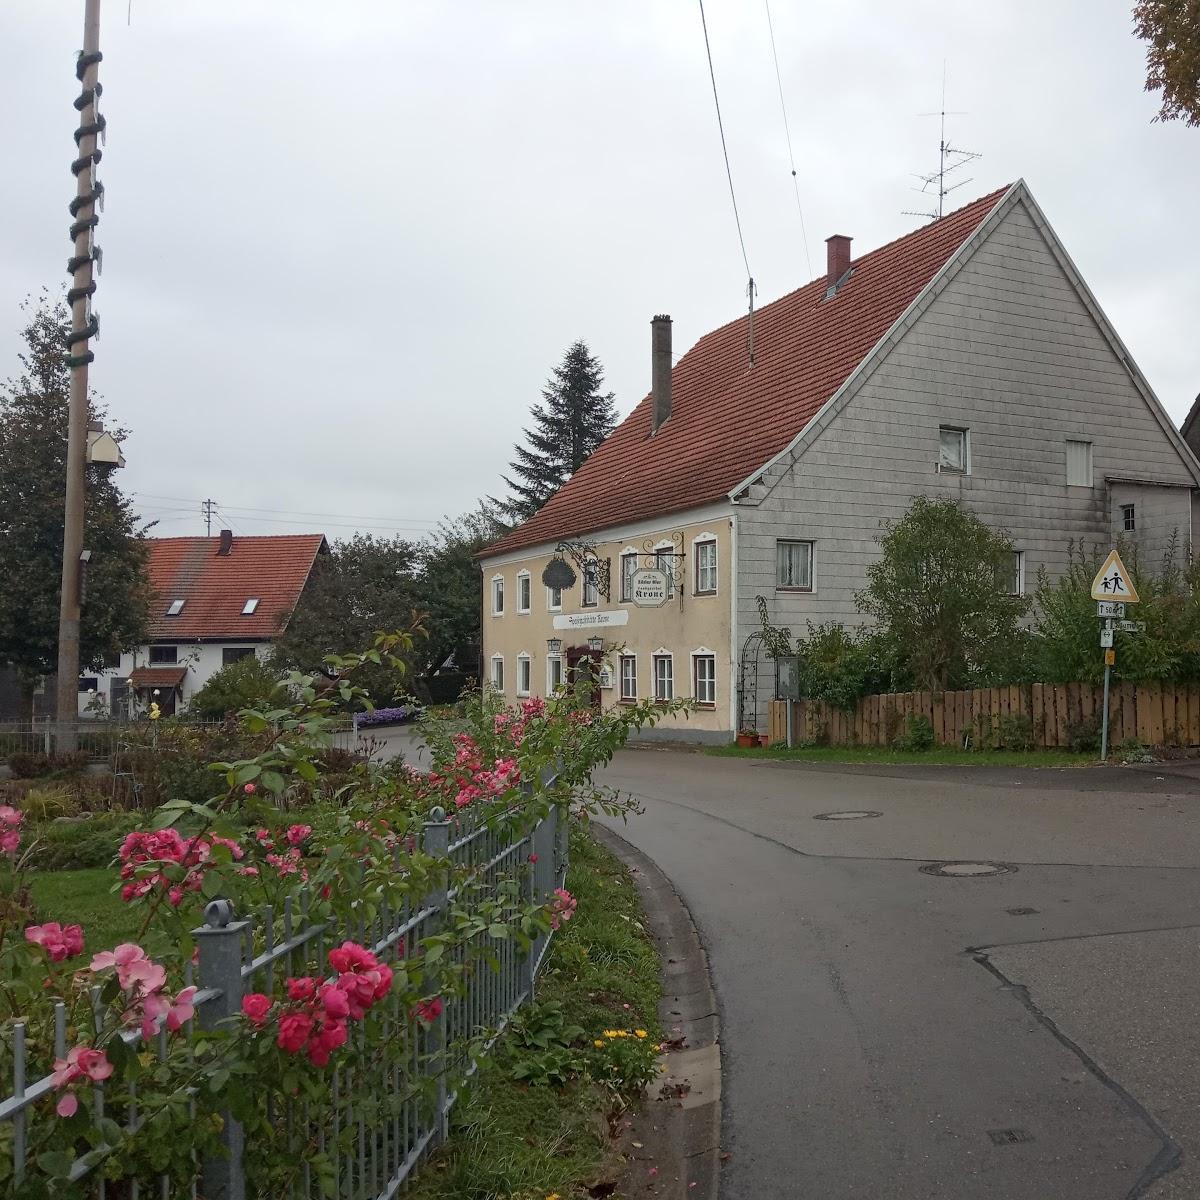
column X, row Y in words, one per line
column 966, row 359
column 216, row 600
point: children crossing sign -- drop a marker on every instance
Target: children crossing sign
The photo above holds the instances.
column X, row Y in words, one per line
column 1113, row 581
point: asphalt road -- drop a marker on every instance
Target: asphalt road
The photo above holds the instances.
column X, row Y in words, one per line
column 888, row 1033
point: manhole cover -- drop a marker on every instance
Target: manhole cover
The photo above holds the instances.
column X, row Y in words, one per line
column 1021, row 912
column 966, row 870
column 854, row 814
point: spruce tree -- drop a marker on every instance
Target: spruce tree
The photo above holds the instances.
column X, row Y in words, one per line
column 33, row 453
column 574, row 417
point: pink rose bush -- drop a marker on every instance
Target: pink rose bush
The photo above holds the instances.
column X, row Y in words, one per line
column 314, row 1017
column 147, row 1003
column 562, row 907
column 81, row 1063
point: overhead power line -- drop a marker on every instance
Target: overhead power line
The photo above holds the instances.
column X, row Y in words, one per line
column 249, row 513
column 787, row 133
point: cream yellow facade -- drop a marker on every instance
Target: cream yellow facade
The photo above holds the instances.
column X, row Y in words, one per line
column 683, row 649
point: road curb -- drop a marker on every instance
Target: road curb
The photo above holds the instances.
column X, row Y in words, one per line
column 675, row 1150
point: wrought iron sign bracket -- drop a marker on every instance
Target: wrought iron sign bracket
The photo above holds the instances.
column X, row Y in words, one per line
column 584, row 554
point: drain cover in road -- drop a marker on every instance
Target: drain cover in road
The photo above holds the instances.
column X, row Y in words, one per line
column 854, row 814
column 966, row 870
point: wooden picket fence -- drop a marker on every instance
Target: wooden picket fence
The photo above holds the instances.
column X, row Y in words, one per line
column 1153, row 714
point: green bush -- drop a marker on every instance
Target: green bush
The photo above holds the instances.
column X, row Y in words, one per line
column 840, row 665
column 247, row 683
column 917, row 735
column 49, row 801
column 1084, row 735
column 1016, row 732
column 35, row 765
column 90, row 841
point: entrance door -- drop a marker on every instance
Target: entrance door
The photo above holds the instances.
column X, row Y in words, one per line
column 584, row 664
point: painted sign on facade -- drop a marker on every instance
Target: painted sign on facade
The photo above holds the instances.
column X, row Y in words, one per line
column 592, row 620
column 649, row 587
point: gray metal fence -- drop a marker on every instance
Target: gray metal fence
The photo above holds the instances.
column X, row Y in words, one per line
column 377, row 1120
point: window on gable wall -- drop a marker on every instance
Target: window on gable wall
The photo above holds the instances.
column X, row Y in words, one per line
column 1012, row 580
column 1079, row 463
column 794, row 565
column 1128, row 518
column 953, row 450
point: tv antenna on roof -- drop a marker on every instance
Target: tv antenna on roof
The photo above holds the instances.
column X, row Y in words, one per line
column 950, row 158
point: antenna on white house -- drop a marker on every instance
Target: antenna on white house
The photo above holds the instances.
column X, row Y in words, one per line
column 950, row 158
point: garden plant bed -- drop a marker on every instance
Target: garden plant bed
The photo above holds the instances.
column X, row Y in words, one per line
column 531, row 1140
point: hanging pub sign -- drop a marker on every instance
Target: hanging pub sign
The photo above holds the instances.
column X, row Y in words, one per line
column 558, row 574
column 649, row 587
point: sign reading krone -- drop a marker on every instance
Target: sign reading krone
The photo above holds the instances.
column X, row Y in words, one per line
column 649, row 587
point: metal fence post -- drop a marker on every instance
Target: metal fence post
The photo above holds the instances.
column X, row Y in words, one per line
column 220, row 944
column 436, row 843
column 562, row 851
column 525, row 968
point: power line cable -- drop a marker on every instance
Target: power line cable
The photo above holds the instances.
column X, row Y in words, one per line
column 724, row 148
column 406, row 522
column 788, row 135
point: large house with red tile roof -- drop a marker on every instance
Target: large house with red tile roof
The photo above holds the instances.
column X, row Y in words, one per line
column 217, row 599
column 966, row 359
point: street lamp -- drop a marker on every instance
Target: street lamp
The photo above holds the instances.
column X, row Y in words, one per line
column 554, row 647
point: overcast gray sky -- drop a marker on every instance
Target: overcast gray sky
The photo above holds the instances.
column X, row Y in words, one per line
column 344, row 243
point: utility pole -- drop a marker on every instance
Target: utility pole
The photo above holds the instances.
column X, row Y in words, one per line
column 207, row 509
column 88, row 192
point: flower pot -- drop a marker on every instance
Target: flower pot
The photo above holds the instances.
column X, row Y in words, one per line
column 764, row 740
column 746, row 740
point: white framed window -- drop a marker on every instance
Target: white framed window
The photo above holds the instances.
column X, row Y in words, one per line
column 1079, row 463
column 1129, row 518
column 554, row 673
column 1014, row 579
column 524, row 592
column 664, row 675
column 628, row 676
column 954, row 450
column 705, row 566
column 553, row 599
column 524, row 674
column 591, row 583
column 665, row 560
column 629, row 564
column 704, row 677
column 794, row 565
column 498, row 672
column 497, row 595
column 249, row 607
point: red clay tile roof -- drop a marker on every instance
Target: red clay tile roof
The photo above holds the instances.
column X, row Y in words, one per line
column 726, row 420
column 215, row 587
column 158, row 677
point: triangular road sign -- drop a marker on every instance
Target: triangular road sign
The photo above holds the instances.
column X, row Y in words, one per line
column 1113, row 581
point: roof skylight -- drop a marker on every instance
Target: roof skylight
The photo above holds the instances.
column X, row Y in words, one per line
column 176, row 608
column 249, row 606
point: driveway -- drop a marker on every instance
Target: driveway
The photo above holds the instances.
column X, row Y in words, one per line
column 893, row 1033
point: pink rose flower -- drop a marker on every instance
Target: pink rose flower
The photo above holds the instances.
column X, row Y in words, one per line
column 298, row 834
column 182, row 1009
column 82, row 1062
column 304, row 988
column 293, row 1032
column 429, row 1010
column 256, row 1006
column 334, row 1002
column 249, row 789
column 58, row 941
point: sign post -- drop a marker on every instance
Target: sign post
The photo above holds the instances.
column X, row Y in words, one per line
column 1112, row 589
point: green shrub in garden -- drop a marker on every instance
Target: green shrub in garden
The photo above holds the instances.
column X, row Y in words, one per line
column 917, row 735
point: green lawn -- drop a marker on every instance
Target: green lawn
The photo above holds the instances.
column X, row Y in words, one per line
column 86, row 898
column 938, row 756
column 528, row 1142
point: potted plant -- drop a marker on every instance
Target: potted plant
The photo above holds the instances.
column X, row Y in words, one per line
column 747, row 738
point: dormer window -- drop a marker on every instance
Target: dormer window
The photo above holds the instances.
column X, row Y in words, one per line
column 249, row 607
column 176, row 608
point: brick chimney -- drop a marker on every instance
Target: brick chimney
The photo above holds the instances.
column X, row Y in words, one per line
column 838, row 251
column 226, row 546
column 660, row 371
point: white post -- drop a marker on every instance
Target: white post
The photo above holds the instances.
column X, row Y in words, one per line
column 1104, row 718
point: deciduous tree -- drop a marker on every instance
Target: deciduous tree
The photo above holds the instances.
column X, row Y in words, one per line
column 940, row 596
column 1172, row 27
